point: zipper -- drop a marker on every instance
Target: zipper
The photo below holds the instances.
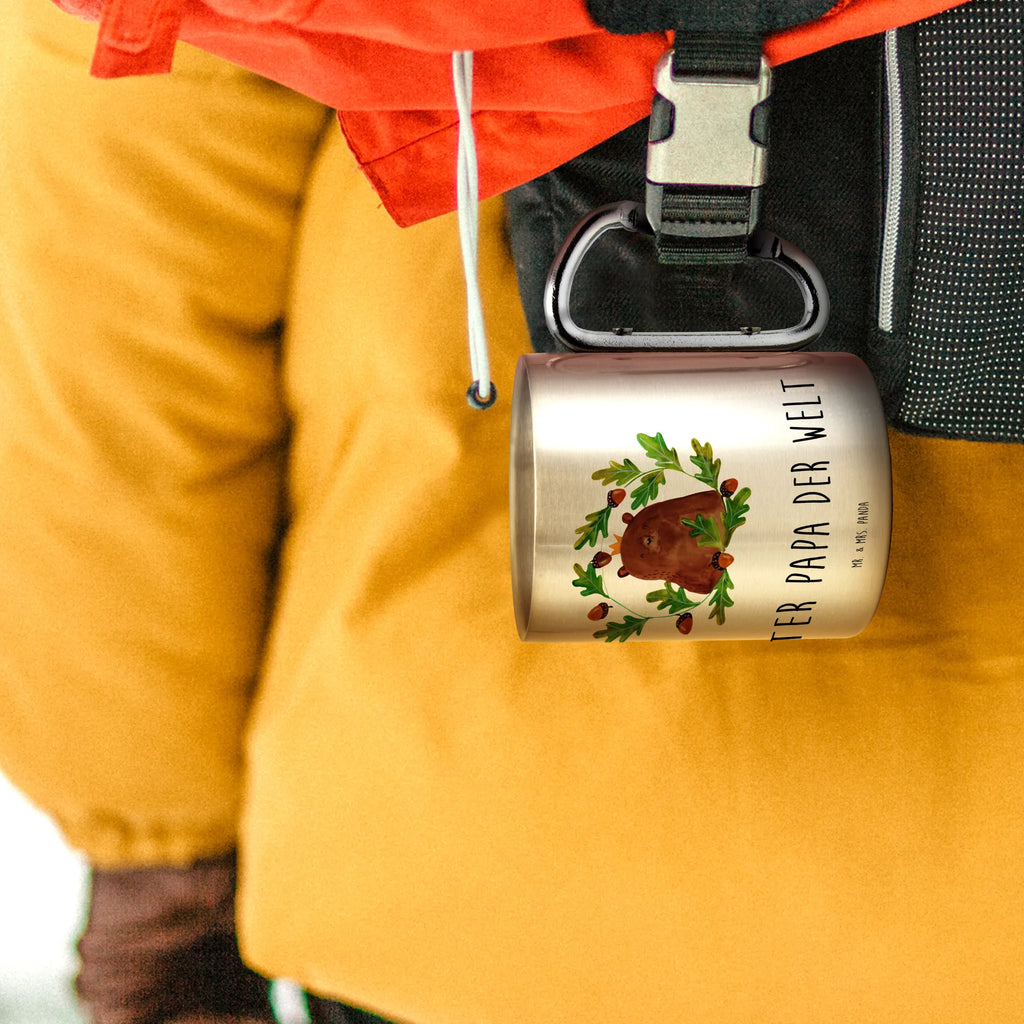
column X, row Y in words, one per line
column 894, row 173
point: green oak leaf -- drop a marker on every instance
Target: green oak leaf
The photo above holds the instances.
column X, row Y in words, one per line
column 656, row 447
column 674, row 600
column 736, row 508
column 589, row 581
column 705, row 530
column 720, row 599
column 708, row 467
column 594, row 530
column 648, row 489
column 619, row 473
column 632, row 625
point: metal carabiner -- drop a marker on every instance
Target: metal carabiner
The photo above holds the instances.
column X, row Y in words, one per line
column 628, row 216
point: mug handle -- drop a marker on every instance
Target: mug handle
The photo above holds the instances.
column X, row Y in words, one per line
column 628, row 216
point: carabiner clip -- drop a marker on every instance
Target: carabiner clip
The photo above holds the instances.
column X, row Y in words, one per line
column 628, row 216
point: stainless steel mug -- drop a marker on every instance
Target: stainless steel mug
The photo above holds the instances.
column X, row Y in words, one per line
column 697, row 495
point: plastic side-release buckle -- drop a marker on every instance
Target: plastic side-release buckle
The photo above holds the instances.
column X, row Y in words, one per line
column 705, row 162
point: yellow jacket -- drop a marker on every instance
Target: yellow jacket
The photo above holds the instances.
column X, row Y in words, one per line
column 438, row 821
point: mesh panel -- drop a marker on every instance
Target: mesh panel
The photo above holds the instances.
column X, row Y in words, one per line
column 966, row 317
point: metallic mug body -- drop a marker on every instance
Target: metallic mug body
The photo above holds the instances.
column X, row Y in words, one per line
column 697, row 495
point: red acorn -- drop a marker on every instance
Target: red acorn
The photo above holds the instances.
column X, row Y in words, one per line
column 616, row 497
column 729, row 487
column 722, row 559
column 684, row 623
column 601, row 559
column 599, row 611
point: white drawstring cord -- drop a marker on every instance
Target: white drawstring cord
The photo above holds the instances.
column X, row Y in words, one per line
column 481, row 393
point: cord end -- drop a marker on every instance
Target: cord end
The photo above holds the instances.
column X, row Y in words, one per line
column 474, row 399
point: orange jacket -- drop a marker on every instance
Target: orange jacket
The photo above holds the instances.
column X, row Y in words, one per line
column 549, row 83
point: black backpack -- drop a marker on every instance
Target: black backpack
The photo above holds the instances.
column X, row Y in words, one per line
column 896, row 164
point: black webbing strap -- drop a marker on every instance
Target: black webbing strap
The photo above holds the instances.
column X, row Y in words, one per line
column 688, row 208
column 716, row 54
column 697, row 221
column 707, row 224
column 752, row 17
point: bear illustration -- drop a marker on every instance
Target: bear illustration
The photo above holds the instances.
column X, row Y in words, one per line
column 657, row 546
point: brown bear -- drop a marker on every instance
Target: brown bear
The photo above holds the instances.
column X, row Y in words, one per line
column 657, row 546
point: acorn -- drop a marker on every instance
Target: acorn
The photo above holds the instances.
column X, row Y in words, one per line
column 722, row 559
column 599, row 611
column 729, row 487
column 684, row 623
column 600, row 560
column 616, row 497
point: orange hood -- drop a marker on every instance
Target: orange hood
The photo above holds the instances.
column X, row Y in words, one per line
column 548, row 83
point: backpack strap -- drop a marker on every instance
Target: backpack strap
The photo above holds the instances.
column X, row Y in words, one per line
column 743, row 17
column 709, row 125
column 706, row 147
